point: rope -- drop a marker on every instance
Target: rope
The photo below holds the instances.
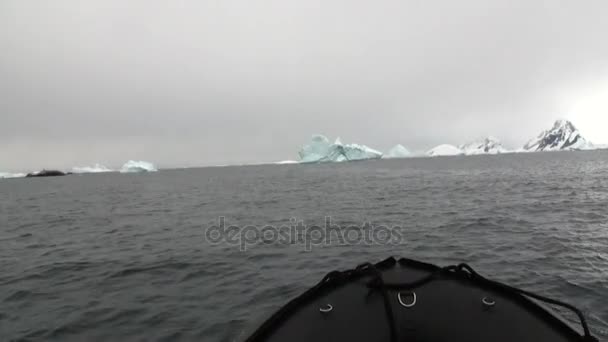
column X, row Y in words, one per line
column 587, row 333
column 473, row 275
column 388, row 309
column 337, row 278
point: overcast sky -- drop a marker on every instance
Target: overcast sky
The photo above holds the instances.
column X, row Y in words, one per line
column 201, row 82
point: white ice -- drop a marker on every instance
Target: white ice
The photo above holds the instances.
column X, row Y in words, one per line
column 286, row 162
column 321, row 150
column 97, row 168
column 444, row 150
column 133, row 166
column 489, row 145
column 398, row 151
column 11, row 175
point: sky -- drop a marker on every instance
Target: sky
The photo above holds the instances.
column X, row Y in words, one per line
column 200, row 82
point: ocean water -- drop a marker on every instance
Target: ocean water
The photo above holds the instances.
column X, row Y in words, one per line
column 107, row 257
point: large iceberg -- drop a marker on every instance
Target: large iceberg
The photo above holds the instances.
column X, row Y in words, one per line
column 97, row 168
column 321, row 150
column 489, row 145
column 398, row 151
column 133, row 166
column 562, row 136
column 444, row 150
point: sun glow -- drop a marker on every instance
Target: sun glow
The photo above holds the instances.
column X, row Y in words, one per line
column 588, row 110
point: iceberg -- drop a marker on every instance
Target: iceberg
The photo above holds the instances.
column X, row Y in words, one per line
column 398, row 151
column 11, row 175
column 444, row 150
column 562, row 136
column 320, row 150
column 97, row 168
column 489, row 145
column 133, row 166
column 316, row 150
column 286, row 162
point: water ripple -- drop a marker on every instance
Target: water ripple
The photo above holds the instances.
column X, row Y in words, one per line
column 108, row 257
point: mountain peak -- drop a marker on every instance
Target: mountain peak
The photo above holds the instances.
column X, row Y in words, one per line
column 562, row 136
column 489, row 145
column 565, row 124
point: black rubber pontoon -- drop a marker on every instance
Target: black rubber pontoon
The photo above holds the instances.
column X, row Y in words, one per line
column 407, row 300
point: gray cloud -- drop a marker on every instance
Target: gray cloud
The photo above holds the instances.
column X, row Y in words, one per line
column 213, row 82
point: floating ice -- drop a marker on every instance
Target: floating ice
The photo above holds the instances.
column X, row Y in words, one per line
column 321, row 150
column 316, row 150
column 444, row 150
column 11, row 175
column 287, row 162
column 398, row 151
column 133, row 166
column 97, row 168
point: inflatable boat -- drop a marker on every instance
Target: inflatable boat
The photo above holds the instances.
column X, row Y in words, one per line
column 407, row 300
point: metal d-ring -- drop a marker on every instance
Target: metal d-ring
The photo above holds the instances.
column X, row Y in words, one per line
column 488, row 301
column 327, row 308
column 405, row 304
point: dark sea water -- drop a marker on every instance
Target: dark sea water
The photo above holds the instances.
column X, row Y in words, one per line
column 110, row 257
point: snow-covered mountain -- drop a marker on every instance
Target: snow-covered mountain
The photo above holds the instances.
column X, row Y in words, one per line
column 562, row 136
column 398, row 151
column 489, row 145
column 444, row 150
column 321, row 150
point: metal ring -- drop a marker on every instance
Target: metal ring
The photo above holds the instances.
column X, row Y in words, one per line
column 488, row 301
column 404, row 304
column 326, row 309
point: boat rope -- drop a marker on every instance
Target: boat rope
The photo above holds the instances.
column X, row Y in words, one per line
column 336, row 279
column 378, row 283
column 388, row 309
